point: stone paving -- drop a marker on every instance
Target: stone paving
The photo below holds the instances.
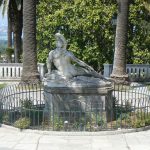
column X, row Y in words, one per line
column 11, row 139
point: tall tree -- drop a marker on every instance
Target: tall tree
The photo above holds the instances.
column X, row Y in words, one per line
column 9, row 32
column 30, row 71
column 6, row 5
column 119, row 65
column 17, row 29
column 10, row 24
column 14, row 11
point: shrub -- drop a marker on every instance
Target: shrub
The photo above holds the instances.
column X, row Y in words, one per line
column 139, row 123
column 58, row 123
column 1, row 118
column 147, row 122
column 5, row 119
column 22, row 123
column 121, row 109
column 27, row 103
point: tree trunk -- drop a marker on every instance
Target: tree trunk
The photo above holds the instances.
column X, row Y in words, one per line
column 9, row 44
column 9, row 32
column 17, row 29
column 30, row 72
column 17, row 35
column 17, row 44
column 119, row 65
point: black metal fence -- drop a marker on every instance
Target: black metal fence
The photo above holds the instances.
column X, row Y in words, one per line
column 24, row 106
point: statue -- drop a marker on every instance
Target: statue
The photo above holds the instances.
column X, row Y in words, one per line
column 62, row 60
column 73, row 85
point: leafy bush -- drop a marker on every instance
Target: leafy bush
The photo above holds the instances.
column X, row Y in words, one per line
column 121, row 110
column 58, row 122
column 124, row 120
column 138, row 123
column 1, row 118
column 147, row 122
column 9, row 51
column 93, row 121
column 27, row 103
column 5, row 119
column 22, row 123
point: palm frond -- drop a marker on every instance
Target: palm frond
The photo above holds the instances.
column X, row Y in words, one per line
column 1, row 2
column 5, row 6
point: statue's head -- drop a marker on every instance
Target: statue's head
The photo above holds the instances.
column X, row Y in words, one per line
column 61, row 41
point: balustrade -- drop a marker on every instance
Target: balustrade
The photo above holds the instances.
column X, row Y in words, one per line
column 13, row 71
column 136, row 72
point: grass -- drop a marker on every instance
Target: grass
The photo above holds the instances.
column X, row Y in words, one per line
column 2, row 85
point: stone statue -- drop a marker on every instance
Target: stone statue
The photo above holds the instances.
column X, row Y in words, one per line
column 73, row 83
column 63, row 61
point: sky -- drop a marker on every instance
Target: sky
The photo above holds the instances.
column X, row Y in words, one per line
column 3, row 26
column 3, row 20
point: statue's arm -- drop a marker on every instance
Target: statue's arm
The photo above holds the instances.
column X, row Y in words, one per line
column 49, row 61
column 80, row 62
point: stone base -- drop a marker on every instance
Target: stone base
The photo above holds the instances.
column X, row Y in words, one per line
column 78, row 98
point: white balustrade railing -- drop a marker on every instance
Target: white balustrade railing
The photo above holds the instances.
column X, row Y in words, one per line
column 13, row 71
column 136, row 72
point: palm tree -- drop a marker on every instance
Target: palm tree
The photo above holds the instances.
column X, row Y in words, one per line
column 14, row 11
column 17, row 27
column 119, row 65
column 30, row 72
column 10, row 24
column 7, row 6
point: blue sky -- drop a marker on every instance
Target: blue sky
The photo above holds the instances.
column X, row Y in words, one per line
column 3, row 20
column 3, row 26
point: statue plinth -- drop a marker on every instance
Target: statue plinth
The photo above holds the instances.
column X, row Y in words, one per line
column 80, row 94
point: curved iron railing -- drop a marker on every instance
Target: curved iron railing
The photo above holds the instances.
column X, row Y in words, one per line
column 130, row 109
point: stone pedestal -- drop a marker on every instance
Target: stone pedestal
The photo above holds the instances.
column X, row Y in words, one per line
column 82, row 98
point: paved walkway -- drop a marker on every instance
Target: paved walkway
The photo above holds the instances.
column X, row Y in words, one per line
column 15, row 140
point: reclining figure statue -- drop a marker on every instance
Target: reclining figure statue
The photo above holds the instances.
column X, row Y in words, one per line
column 67, row 65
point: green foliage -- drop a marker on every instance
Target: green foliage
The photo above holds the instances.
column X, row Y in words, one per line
column 22, row 123
column 85, row 24
column 33, row 112
column 90, row 122
column 1, row 118
column 9, row 51
column 3, row 45
column 136, row 120
column 2, row 85
column 121, row 111
column 57, row 122
column 5, row 119
column 2, row 48
column 147, row 122
column 139, row 33
column 139, row 123
column 28, row 104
